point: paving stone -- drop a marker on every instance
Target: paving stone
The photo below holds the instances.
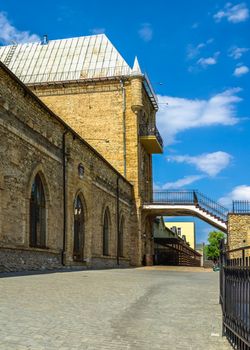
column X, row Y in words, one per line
column 137, row 309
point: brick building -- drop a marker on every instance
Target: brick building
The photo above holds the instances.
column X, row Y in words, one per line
column 108, row 134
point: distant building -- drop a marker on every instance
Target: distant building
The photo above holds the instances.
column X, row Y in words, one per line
column 186, row 229
column 172, row 249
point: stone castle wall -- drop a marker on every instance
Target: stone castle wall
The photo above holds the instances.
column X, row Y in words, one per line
column 109, row 117
column 238, row 231
column 31, row 142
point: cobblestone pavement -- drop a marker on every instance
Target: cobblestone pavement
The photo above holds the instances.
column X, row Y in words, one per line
column 136, row 309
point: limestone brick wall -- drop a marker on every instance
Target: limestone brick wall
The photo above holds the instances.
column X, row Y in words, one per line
column 96, row 111
column 98, row 188
column 27, row 260
column 238, row 230
column 146, row 175
column 31, row 142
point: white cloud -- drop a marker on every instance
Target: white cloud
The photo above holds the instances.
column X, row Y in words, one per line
column 209, row 41
column 208, row 61
column 237, row 52
column 194, row 51
column 241, row 192
column 239, row 71
column 146, row 32
column 195, row 25
column 95, row 31
column 178, row 114
column 156, row 186
column 234, row 14
column 9, row 34
column 209, row 163
column 187, row 180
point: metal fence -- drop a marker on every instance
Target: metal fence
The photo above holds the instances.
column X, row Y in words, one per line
column 241, row 207
column 235, row 296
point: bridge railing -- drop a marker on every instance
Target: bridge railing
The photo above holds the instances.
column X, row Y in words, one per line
column 241, row 207
column 191, row 197
column 174, row 197
column 212, row 206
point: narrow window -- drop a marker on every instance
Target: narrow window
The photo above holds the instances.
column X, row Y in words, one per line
column 37, row 214
column 78, row 230
column 120, row 238
column 106, row 234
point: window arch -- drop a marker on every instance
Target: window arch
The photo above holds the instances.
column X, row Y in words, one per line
column 37, row 214
column 121, row 238
column 105, row 233
column 79, row 229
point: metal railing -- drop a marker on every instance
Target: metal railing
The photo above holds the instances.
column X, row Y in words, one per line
column 241, row 207
column 235, row 296
column 150, row 91
column 146, row 130
column 191, row 197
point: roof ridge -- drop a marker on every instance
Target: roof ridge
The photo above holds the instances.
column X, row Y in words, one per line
column 49, row 40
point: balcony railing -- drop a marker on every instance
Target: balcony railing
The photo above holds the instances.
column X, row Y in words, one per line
column 146, row 130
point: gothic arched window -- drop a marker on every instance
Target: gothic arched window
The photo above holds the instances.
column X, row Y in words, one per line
column 78, row 230
column 37, row 214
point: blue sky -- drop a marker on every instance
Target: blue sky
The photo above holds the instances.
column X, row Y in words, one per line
column 197, row 54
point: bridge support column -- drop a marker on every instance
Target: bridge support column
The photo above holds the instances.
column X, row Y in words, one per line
column 148, row 242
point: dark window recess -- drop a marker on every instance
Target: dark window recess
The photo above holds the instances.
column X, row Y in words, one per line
column 106, row 234
column 37, row 214
column 78, row 230
column 121, row 238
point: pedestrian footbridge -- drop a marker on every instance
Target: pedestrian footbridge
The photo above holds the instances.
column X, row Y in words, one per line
column 188, row 203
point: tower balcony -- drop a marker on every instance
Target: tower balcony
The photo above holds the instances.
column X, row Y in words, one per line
column 151, row 139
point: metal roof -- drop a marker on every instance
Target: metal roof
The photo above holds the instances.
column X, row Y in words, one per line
column 73, row 59
column 85, row 57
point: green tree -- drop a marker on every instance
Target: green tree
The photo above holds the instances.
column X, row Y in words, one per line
column 212, row 249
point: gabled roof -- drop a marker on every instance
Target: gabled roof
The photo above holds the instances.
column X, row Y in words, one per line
column 73, row 59
column 85, row 57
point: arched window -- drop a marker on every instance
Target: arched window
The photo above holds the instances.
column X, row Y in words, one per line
column 37, row 214
column 106, row 233
column 121, row 238
column 78, row 230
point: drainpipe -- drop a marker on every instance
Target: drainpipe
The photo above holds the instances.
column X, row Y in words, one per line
column 118, row 220
column 124, row 126
column 64, row 198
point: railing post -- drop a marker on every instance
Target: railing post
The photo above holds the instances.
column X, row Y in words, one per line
column 195, row 198
column 222, row 281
